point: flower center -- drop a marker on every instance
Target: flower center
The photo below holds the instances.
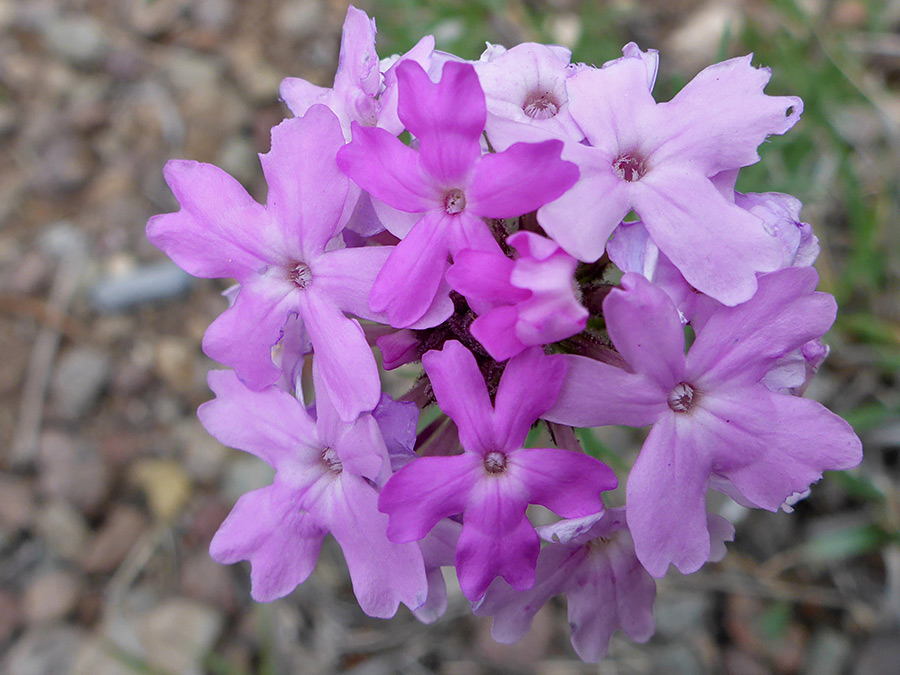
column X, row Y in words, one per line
column 454, row 201
column 331, row 461
column 629, row 168
column 541, row 106
column 682, row 398
column 300, row 275
column 495, row 462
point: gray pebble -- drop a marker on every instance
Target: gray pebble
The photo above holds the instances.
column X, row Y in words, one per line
column 81, row 376
column 79, row 40
column 160, row 281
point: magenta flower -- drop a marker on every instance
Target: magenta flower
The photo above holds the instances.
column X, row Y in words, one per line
column 322, row 484
column 713, row 419
column 448, row 181
column 522, row 303
column 495, row 478
column 280, row 255
column 658, row 160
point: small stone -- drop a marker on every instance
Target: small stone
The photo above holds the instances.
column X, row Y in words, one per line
column 204, row 456
column 202, row 523
column 154, row 18
column 238, row 157
column 243, row 474
column 828, row 653
column 16, row 502
column 178, row 633
column 71, row 471
column 879, row 656
column 190, row 71
column 10, row 616
column 214, row 15
column 256, row 77
column 63, row 529
column 81, row 376
column 51, row 596
column 119, row 533
column 96, row 656
column 204, row 579
column 43, row 651
column 165, row 485
column 79, row 40
column 64, row 164
column 699, row 36
column 151, row 283
column 298, row 18
column 678, row 658
column 678, row 612
column 175, row 359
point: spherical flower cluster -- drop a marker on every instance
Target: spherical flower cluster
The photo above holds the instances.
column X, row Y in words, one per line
column 541, row 245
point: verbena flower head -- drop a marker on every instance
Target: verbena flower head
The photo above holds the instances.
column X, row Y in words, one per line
column 513, row 270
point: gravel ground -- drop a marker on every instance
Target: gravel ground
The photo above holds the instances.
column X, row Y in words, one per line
column 110, row 489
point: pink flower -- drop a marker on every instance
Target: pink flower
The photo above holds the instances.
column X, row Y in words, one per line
column 495, row 478
column 448, row 181
column 324, row 475
column 713, row 419
column 659, row 159
column 521, row 303
column 280, row 254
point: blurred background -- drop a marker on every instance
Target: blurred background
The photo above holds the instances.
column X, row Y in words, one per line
column 110, row 490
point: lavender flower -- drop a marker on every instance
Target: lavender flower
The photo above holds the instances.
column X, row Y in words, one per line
column 710, row 413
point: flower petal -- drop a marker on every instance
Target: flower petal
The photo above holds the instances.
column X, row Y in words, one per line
column 280, row 540
column 721, row 117
column 348, row 368
column 582, row 220
column 496, row 331
column 270, row 424
column 595, row 394
column 411, row 278
column 243, row 335
column 528, row 388
column 609, row 103
column 307, row 191
column 426, row 490
column 666, row 497
column 462, row 394
column 382, row 165
column 497, row 539
column 447, row 118
column 220, row 231
column 519, row 180
column 513, row 610
column 646, row 330
column 740, row 344
column 568, row 483
column 383, row 573
column 346, row 276
column 799, row 441
column 717, row 246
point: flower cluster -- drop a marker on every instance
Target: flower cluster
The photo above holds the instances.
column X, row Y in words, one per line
column 552, row 244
